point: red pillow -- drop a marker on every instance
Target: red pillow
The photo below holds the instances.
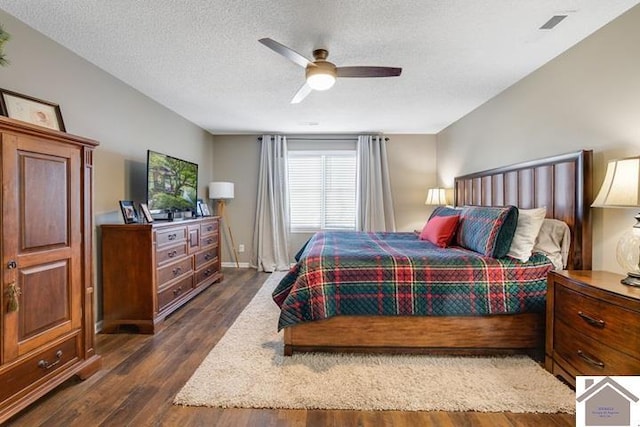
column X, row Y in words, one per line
column 439, row 230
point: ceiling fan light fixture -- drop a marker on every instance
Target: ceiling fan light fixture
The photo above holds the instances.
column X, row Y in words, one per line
column 320, row 78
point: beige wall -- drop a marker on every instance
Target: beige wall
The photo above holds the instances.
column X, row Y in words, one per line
column 412, row 166
column 96, row 105
column 589, row 97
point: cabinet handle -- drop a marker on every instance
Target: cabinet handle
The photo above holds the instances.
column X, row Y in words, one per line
column 591, row 360
column 14, row 292
column 172, row 236
column 177, row 271
column 590, row 320
column 173, row 253
column 209, row 228
column 46, row 365
column 209, row 241
column 207, row 273
column 177, row 291
column 208, row 256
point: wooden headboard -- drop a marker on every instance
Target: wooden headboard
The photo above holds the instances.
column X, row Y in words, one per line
column 561, row 183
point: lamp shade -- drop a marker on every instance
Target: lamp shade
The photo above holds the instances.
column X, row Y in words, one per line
column 620, row 188
column 436, row 197
column 221, row 190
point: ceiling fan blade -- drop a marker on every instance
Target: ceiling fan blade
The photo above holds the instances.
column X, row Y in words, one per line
column 301, row 94
column 283, row 50
column 368, row 71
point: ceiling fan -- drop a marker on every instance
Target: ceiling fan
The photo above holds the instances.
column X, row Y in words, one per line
column 320, row 73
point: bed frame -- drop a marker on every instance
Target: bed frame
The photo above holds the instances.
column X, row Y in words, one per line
column 562, row 184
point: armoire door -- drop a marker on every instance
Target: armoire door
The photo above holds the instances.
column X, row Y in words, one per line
column 41, row 242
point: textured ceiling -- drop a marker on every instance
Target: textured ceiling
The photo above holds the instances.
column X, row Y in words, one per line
column 202, row 59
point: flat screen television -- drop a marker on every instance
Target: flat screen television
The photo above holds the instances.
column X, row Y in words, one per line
column 172, row 184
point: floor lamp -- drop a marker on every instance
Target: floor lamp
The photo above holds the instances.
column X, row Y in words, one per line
column 222, row 191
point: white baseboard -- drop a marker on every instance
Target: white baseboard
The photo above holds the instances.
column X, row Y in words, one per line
column 233, row 264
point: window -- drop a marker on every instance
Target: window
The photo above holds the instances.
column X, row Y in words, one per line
column 322, row 190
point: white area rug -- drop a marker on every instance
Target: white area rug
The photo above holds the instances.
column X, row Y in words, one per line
column 246, row 369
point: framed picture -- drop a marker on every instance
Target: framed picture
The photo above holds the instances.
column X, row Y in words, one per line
column 129, row 212
column 145, row 212
column 203, row 208
column 31, row 110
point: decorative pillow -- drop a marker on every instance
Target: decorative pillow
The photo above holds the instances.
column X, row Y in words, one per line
column 529, row 223
column 439, row 230
column 487, row 230
column 554, row 241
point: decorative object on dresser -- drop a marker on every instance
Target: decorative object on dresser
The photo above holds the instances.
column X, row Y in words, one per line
column 621, row 189
column 47, row 326
column 129, row 213
column 593, row 325
column 150, row 270
column 31, row 110
column 436, row 197
column 222, row 191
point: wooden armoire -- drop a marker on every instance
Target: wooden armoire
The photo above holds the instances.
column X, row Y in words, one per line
column 47, row 298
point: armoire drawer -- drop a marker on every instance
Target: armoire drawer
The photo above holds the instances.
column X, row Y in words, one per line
column 171, row 236
column 173, row 271
column 174, row 292
column 37, row 367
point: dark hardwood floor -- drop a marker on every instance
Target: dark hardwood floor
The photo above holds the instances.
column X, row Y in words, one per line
column 141, row 374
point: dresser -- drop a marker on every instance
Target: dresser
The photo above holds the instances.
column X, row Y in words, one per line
column 47, row 317
column 150, row 270
column 592, row 325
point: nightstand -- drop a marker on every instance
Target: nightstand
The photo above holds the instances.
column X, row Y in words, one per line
column 592, row 325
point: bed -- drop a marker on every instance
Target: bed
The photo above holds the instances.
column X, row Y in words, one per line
column 561, row 183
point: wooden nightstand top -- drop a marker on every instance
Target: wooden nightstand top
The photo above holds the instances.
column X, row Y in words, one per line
column 604, row 280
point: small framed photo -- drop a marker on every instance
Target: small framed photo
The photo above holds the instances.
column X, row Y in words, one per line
column 31, row 110
column 145, row 212
column 203, row 208
column 129, row 212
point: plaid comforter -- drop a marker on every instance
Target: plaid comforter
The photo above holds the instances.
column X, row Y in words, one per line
column 396, row 274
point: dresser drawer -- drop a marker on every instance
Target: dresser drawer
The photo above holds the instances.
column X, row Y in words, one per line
column 602, row 321
column 173, row 271
column 206, row 272
column 37, row 367
column 208, row 241
column 171, row 236
column 174, row 292
column 209, row 227
column 171, row 253
column 205, row 257
column 589, row 356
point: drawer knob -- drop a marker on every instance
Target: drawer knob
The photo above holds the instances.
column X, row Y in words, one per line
column 173, row 253
column 208, row 256
column 43, row 364
column 209, row 241
column 207, row 272
column 177, row 271
column 172, row 236
column 593, row 361
column 598, row 323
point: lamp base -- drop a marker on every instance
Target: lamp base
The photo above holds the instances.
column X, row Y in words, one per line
column 631, row 280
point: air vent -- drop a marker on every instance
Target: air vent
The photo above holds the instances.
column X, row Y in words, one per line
column 551, row 23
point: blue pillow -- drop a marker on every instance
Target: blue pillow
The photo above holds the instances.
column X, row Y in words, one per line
column 487, row 230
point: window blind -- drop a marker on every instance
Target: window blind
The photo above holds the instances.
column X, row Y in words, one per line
column 322, row 190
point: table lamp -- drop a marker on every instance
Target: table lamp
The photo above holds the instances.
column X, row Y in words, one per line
column 436, row 197
column 621, row 189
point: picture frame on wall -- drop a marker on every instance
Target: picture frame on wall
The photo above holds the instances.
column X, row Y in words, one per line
column 31, row 110
column 145, row 212
column 129, row 213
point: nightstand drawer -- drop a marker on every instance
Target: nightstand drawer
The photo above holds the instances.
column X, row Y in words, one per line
column 589, row 356
column 608, row 323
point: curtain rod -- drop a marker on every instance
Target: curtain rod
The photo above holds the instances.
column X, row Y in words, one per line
column 321, row 138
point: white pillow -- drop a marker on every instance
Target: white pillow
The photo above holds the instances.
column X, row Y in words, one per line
column 554, row 241
column 529, row 223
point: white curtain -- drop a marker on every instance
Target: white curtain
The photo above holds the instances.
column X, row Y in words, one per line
column 270, row 236
column 374, row 202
